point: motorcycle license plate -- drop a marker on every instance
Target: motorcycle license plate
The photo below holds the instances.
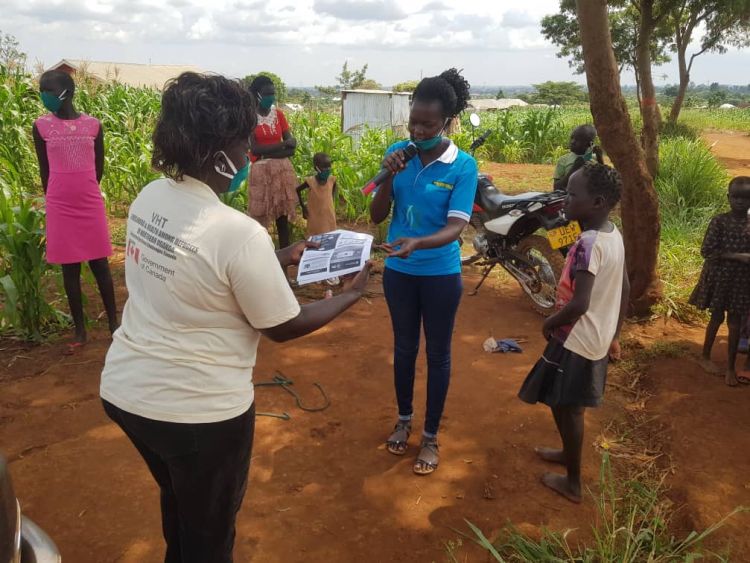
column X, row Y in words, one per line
column 564, row 236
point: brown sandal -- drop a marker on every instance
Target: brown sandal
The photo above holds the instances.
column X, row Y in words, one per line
column 428, row 458
column 397, row 441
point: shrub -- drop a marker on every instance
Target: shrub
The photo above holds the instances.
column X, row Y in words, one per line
column 691, row 183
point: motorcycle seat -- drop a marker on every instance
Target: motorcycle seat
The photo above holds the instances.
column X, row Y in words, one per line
column 491, row 199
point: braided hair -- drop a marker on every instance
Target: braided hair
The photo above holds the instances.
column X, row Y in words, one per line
column 450, row 89
column 201, row 114
column 604, row 181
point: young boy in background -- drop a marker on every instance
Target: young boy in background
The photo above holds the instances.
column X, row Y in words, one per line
column 582, row 151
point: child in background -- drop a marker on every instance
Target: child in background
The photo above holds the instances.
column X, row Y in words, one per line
column 724, row 285
column 272, row 177
column 319, row 210
column 70, row 149
column 582, row 151
column 592, row 301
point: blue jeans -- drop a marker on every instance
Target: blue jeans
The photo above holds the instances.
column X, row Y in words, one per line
column 431, row 301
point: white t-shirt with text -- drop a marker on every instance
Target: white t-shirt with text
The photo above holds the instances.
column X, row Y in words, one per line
column 202, row 279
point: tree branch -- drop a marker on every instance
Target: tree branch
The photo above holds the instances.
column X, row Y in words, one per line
column 692, row 58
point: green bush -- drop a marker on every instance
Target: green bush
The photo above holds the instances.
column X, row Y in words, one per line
column 692, row 188
column 25, row 310
column 671, row 130
column 691, row 183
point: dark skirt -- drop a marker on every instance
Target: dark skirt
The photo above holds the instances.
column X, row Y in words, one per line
column 562, row 378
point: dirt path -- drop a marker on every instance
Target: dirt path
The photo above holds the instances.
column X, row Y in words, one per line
column 732, row 149
column 706, row 437
column 322, row 486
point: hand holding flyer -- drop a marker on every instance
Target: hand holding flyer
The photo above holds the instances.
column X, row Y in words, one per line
column 340, row 253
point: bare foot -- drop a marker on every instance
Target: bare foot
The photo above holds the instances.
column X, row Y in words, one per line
column 560, row 484
column 553, row 455
column 709, row 367
column 731, row 378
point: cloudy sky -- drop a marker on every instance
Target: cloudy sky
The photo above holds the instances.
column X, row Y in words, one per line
column 306, row 41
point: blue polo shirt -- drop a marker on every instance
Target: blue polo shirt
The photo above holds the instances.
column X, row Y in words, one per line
column 424, row 197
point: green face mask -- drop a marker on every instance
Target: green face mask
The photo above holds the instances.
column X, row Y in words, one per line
column 52, row 102
column 267, row 101
column 323, row 175
column 236, row 176
column 589, row 154
column 432, row 142
column 428, row 144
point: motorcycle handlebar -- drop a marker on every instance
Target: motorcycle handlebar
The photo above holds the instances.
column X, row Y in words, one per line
column 481, row 140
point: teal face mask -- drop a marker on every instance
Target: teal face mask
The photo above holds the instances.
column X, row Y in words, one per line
column 589, row 154
column 52, row 102
column 237, row 176
column 267, row 101
column 323, row 175
column 431, row 143
column 428, row 144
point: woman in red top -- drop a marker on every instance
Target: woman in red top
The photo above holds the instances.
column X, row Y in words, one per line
column 272, row 178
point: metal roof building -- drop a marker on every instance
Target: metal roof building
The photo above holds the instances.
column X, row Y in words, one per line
column 373, row 108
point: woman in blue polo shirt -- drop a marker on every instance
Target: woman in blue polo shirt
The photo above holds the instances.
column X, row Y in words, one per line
column 431, row 195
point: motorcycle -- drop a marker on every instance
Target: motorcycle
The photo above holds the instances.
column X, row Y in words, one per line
column 506, row 234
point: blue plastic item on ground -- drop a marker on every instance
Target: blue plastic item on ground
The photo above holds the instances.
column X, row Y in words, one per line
column 505, row 345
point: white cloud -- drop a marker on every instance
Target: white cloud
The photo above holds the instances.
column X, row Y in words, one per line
column 306, row 41
column 519, row 19
column 361, row 10
column 202, row 28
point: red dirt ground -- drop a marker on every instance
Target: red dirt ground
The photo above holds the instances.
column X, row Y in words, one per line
column 732, row 149
column 322, row 488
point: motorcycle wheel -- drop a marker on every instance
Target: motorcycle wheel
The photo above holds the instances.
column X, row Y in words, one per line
column 545, row 266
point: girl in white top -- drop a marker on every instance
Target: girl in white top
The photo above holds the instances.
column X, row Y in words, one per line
column 592, row 299
column 204, row 283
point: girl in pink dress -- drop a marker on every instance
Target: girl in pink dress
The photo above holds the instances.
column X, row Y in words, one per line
column 70, row 148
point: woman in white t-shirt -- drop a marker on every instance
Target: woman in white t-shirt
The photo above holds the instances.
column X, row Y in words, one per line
column 204, row 283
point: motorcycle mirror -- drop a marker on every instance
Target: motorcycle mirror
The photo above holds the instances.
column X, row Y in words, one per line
column 475, row 120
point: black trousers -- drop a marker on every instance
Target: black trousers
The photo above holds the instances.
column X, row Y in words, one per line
column 201, row 470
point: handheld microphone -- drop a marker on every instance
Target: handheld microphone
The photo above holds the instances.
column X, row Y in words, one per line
column 409, row 152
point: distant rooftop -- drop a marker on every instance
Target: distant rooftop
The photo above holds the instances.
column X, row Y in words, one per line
column 483, row 104
column 131, row 74
column 375, row 92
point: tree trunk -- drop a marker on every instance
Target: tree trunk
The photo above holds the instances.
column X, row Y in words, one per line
column 682, row 41
column 674, row 113
column 640, row 207
column 649, row 109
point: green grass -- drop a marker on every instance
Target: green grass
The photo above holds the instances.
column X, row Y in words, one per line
column 692, row 188
column 714, row 118
column 632, row 526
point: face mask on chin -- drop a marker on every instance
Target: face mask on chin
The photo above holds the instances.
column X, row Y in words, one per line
column 429, row 144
